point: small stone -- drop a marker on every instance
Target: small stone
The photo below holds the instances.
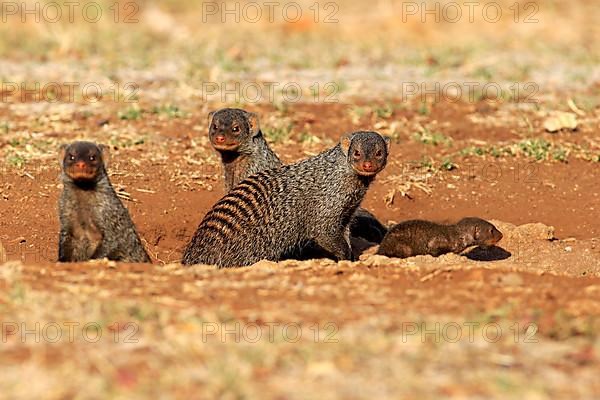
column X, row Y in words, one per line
column 560, row 120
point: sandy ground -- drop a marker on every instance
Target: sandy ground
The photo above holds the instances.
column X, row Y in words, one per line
column 519, row 320
column 522, row 316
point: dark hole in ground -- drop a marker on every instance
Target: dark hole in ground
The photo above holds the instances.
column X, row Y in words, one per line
column 491, row 253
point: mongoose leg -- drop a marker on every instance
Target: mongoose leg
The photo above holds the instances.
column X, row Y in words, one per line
column 438, row 246
column 104, row 252
column 397, row 249
column 65, row 247
column 404, row 250
column 337, row 245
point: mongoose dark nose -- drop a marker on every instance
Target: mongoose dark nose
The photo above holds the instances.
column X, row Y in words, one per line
column 219, row 139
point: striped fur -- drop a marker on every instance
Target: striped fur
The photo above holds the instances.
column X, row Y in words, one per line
column 249, row 153
column 275, row 212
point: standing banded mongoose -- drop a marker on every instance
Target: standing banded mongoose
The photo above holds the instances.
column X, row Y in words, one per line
column 236, row 135
column 273, row 213
column 418, row 237
column 93, row 221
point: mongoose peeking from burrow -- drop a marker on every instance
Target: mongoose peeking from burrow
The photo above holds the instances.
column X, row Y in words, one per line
column 93, row 221
column 271, row 214
column 237, row 136
column 418, row 237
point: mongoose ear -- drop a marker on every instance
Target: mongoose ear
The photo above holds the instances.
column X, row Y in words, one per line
column 105, row 152
column 210, row 116
column 388, row 142
column 62, row 150
column 345, row 142
column 253, row 122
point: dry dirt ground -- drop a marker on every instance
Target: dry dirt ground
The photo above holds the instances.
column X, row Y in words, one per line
column 519, row 320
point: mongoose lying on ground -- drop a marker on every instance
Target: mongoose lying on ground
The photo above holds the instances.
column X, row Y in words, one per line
column 417, row 237
column 236, row 135
column 271, row 214
column 93, row 221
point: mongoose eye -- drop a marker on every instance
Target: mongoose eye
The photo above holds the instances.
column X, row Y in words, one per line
column 356, row 153
column 214, row 126
column 235, row 129
column 379, row 154
column 71, row 157
column 92, row 158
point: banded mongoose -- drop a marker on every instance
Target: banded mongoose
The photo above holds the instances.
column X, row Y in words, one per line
column 93, row 221
column 237, row 136
column 271, row 214
column 418, row 237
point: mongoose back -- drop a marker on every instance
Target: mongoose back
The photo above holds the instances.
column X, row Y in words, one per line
column 418, row 237
column 236, row 135
column 93, row 221
column 273, row 213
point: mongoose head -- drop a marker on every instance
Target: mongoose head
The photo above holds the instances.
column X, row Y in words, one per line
column 231, row 128
column 366, row 152
column 479, row 232
column 83, row 161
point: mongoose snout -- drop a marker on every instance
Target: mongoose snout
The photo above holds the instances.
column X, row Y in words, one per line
column 483, row 232
column 368, row 157
column 82, row 161
column 231, row 128
column 220, row 139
